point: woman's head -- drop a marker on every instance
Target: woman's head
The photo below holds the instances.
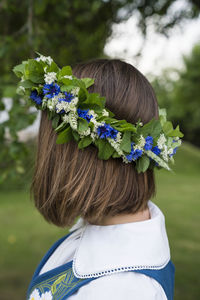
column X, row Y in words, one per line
column 71, row 182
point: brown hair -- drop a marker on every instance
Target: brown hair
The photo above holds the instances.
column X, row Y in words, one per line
column 69, row 182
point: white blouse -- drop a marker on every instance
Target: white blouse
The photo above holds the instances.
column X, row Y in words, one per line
column 97, row 250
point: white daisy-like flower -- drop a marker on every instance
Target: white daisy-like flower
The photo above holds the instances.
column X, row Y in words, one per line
column 50, row 77
column 46, row 296
column 161, row 141
column 34, row 295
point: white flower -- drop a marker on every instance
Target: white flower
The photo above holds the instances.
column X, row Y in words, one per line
column 46, row 296
column 161, row 141
column 73, row 120
column 164, row 153
column 65, row 118
column 119, row 137
column 46, row 59
column 141, row 143
column 34, row 295
column 74, row 101
column 91, row 112
column 22, row 88
column 50, row 77
column 68, row 76
column 93, row 136
column 105, row 113
column 75, row 91
column 85, row 133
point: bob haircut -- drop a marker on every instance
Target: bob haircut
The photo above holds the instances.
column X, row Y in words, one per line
column 69, row 182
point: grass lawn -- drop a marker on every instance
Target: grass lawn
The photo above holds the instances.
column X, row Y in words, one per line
column 25, row 236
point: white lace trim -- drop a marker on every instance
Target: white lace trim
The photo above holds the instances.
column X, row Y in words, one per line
column 111, row 271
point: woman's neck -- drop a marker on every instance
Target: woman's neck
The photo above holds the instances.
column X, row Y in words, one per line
column 126, row 218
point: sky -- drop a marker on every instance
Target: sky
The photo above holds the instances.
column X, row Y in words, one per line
column 158, row 51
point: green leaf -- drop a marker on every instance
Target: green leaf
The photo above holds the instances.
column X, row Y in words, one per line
column 55, row 121
column 111, row 114
column 126, row 142
column 105, row 149
column 66, row 88
column 61, row 127
column 82, row 95
column 167, row 127
column 176, row 132
column 152, row 128
column 82, row 124
column 27, row 84
column 88, row 82
column 19, row 70
column 84, row 142
column 64, row 136
column 34, row 71
column 52, row 68
column 75, row 135
column 115, row 154
column 67, row 70
column 93, row 99
column 142, row 164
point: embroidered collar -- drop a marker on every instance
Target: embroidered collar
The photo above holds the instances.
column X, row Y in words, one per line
column 122, row 247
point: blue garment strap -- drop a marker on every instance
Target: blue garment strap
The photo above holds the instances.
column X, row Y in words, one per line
column 164, row 276
column 62, row 283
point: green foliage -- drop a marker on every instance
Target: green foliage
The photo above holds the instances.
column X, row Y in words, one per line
column 142, row 164
column 64, row 136
column 84, row 142
column 105, row 149
column 181, row 96
column 126, row 141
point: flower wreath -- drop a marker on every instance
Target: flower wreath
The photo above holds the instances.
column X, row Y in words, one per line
column 82, row 116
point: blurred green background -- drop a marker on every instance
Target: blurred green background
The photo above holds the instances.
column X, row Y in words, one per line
column 70, row 32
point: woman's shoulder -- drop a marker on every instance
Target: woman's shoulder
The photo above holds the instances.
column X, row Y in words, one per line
column 123, row 285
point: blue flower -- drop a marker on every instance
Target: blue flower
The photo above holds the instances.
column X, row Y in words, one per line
column 174, row 151
column 36, row 97
column 156, row 150
column 134, row 154
column 51, row 90
column 149, row 143
column 106, row 130
column 82, row 113
column 68, row 97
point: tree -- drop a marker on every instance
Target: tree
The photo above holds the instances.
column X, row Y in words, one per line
column 182, row 96
column 69, row 31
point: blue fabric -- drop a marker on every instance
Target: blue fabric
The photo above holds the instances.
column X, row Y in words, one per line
column 164, row 276
column 62, row 282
